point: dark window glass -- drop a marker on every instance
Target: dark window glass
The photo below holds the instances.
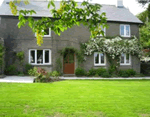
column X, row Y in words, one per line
column 39, row 56
column 96, row 58
column 46, row 31
column 122, row 58
column 102, row 58
column 32, row 57
column 46, row 56
column 127, row 58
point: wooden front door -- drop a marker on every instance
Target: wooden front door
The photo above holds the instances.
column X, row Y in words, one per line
column 69, row 63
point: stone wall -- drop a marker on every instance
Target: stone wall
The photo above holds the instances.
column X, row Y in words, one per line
column 3, row 65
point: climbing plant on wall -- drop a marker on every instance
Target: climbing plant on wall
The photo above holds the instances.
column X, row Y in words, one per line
column 1, row 56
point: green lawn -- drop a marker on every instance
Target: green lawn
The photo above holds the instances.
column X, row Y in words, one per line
column 76, row 98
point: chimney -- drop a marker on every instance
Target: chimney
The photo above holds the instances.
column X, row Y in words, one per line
column 119, row 4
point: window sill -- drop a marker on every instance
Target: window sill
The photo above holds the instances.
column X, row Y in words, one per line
column 40, row 64
column 125, row 36
column 99, row 64
column 125, row 64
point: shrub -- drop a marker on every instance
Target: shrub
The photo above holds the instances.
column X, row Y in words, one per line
column 96, row 75
column 131, row 72
column 11, row 70
column 123, row 73
column 55, row 73
column 33, row 71
column 100, row 71
column 92, row 72
column 106, row 74
column 80, row 72
column 27, row 68
column 111, row 70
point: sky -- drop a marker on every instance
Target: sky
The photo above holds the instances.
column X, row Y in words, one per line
column 132, row 5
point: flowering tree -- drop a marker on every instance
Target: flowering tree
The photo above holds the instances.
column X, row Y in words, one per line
column 113, row 48
column 68, row 15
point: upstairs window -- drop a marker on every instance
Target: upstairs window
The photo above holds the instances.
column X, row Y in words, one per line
column 47, row 32
column 99, row 59
column 125, row 30
column 125, row 59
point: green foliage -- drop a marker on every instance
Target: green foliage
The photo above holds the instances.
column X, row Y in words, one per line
column 143, row 16
column 106, row 74
column 96, row 75
column 11, row 70
column 27, row 68
column 68, row 15
column 92, row 72
column 145, row 35
column 80, row 72
column 131, row 72
column 55, row 74
column 123, row 73
column 100, row 71
column 1, row 55
column 20, row 56
column 112, row 69
column 33, row 72
column 58, row 65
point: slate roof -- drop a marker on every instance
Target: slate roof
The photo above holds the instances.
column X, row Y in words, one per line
column 113, row 13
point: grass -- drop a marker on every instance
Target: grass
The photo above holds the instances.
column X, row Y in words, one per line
column 76, row 98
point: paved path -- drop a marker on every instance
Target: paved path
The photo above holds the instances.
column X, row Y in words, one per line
column 18, row 79
column 28, row 79
column 120, row 78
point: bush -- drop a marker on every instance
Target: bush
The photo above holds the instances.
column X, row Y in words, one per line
column 106, row 74
column 80, row 72
column 131, row 72
column 55, row 73
column 111, row 70
column 123, row 73
column 11, row 70
column 27, row 68
column 33, row 72
column 100, row 71
column 96, row 75
column 92, row 72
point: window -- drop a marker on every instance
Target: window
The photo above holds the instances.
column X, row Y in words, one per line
column 125, row 59
column 99, row 59
column 125, row 30
column 47, row 32
column 40, row 57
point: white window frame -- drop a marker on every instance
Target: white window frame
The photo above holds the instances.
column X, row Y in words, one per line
column 46, row 35
column 43, row 57
column 100, row 64
column 125, row 60
column 125, row 30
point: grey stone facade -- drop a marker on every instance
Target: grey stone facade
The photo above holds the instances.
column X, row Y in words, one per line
column 24, row 39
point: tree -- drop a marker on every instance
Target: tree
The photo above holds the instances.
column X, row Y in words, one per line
column 145, row 35
column 143, row 16
column 68, row 15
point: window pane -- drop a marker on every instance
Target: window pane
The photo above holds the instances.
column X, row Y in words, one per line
column 46, row 56
column 127, row 30
column 96, row 55
column 39, row 56
column 127, row 58
column 46, row 31
column 32, row 56
column 122, row 30
column 102, row 58
column 122, row 58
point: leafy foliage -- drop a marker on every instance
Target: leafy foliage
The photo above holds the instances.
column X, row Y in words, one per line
column 11, row 70
column 68, row 15
column 100, row 71
column 27, row 68
column 92, row 72
column 2, row 49
column 80, row 72
column 106, row 75
column 145, row 35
